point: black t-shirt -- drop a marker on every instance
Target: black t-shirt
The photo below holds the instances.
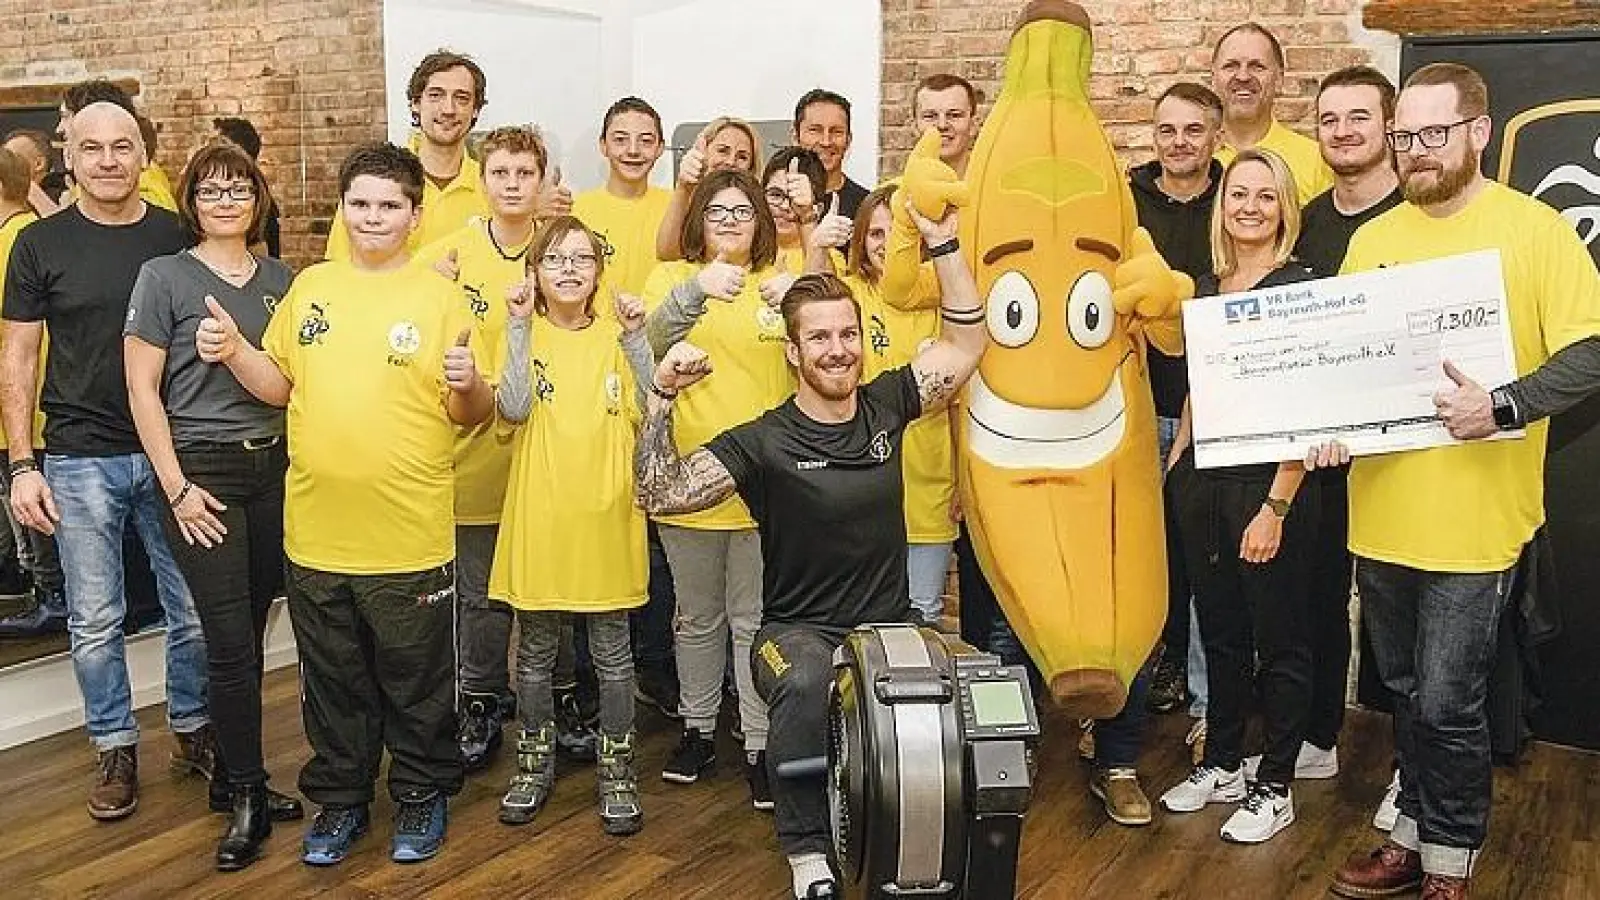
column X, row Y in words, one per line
column 75, row 276
column 1325, row 232
column 850, row 196
column 828, row 500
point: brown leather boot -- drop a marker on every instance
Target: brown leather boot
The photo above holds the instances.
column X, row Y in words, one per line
column 196, row 753
column 116, row 794
column 1387, row 871
column 1443, row 887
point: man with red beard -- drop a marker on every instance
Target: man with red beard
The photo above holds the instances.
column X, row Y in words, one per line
column 821, row 475
column 1437, row 533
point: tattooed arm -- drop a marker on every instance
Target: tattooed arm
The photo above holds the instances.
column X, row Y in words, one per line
column 945, row 365
column 666, row 482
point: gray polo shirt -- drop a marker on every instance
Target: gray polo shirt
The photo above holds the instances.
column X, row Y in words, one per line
column 205, row 403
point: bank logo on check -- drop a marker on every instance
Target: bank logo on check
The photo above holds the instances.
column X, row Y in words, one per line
column 1246, row 310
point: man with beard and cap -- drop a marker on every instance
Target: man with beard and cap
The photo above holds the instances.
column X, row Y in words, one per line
column 1246, row 72
column 1437, row 533
column 821, row 475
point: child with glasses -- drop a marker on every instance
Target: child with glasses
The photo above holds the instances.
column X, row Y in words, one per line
column 571, row 540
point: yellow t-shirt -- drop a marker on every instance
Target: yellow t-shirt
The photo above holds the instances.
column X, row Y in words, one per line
column 892, row 338
column 1311, row 174
column 371, row 484
column 1471, row 507
column 443, row 211
column 571, row 537
column 8, row 237
column 628, row 229
column 749, row 375
column 483, row 454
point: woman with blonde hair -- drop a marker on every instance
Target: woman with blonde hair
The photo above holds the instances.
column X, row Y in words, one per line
column 1247, row 532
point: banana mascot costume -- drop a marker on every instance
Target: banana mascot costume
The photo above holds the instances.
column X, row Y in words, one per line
column 1057, row 455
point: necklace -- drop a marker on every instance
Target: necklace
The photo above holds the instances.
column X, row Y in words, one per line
column 488, row 226
column 227, row 274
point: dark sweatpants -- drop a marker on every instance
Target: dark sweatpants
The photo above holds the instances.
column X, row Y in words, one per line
column 377, row 670
column 793, row 670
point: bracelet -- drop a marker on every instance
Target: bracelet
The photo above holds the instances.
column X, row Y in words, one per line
column 972, row 315
column 944, row 249
column 25, row 464
column 183, row 492
column 668, row 396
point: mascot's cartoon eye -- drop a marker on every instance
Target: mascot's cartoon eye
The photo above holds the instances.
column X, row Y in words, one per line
column 1089, row 311
column 1013, row 310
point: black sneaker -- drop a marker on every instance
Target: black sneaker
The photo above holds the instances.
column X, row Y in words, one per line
column 1169, row 688
column 659, row 691
column 695, row 756
column 760, row 788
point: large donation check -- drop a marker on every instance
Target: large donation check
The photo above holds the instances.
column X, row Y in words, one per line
column 1356, row 359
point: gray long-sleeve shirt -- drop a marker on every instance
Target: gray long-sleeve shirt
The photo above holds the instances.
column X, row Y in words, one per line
column 515, row 391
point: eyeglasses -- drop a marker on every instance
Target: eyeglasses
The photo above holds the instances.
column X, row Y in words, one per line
column 1432, row 137
column 776, row 197
column 742, row 213
column 555, row 262
column 238, row 193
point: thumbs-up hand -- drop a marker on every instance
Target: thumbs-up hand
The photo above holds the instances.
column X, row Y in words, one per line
column 460, row 370
column 450, row 265
column 798, row 187
column 773, row 289
column 692, row 167
column 1143, row 285
column 834, row 230
column 1466, row 409
column 630, row 311
column 929, row 182
column 721, row 279
column 217, row 338
column 519, row 299
column 554, row 197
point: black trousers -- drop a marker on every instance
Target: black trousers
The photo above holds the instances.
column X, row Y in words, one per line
column 1332, row 570
column 1236, row 600
column 234, row 584
column 377, row 670
column 793, row 670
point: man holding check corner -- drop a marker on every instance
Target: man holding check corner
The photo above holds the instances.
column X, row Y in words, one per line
column 1437, row 533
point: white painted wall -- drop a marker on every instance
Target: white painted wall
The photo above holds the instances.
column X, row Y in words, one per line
column 560, row 63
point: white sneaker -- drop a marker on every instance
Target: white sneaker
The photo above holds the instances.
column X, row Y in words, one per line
column 1263, row 814
column 1206, row 784
column 1389, row 809
column 1312, row 762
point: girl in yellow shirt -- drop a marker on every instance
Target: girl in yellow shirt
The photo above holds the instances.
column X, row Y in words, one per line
column 571, row 540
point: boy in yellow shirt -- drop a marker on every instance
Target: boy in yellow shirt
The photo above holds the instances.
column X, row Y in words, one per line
column 354, row 350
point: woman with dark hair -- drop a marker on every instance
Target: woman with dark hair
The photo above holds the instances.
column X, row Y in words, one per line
column 1247, row 532
column 571, row 541
column 713, row 298
column 725, row 143
column 220, row 457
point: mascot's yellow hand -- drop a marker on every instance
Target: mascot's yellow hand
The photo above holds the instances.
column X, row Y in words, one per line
column 1145, row 286
column 929, row 183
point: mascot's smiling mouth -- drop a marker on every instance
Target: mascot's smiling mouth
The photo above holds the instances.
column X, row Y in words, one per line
column 1010, row 436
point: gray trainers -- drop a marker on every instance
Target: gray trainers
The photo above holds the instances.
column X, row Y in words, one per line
column 535, row 778
column 618, row 786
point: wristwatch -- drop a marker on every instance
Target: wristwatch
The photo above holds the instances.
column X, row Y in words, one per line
column 1505, row 410
column 1280, row 508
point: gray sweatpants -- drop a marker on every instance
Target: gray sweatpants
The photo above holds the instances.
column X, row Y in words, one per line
column 717, row 578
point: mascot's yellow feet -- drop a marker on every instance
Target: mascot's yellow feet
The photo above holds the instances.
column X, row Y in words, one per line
column 1089, row 693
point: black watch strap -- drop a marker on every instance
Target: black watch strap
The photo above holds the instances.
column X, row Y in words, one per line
column 1506, row 415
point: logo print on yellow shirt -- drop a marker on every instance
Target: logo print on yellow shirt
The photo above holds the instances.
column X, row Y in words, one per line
column 313, row 326
column 542, row 388
column 878, row 335
column 613, row 393
column 475, row 301
column 405, row 340
column 606, row 246
column 770, row 323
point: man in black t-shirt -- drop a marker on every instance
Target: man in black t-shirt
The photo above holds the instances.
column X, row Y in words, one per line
column 821, row 475
column 73, row 273
column 822, row 125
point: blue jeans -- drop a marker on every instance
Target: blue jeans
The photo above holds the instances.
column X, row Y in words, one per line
column 927, row 567
column 1433, row 641
column 97, row 497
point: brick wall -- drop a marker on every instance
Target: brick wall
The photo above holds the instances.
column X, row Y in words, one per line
column 309, row 73
column 1141, row 46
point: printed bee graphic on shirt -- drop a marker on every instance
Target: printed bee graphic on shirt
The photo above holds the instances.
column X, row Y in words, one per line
column 608, row 250
column 543, row 389
column 313, row 326
column 878, row 335
column 475, row 301
column 613, row 394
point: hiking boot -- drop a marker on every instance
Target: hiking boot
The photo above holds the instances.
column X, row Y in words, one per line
column 695, row 756
column 333, row 830
column 1388, row 871
column 479, row 734
column 196, row 753
column 116, row 793
column 1124, row 799
column 535, row 778
column 1169, row 687
column 420, row 818
column 618, row 787
column 760, row 786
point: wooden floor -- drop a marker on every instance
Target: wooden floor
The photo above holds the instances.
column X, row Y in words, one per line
column 704, row 841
